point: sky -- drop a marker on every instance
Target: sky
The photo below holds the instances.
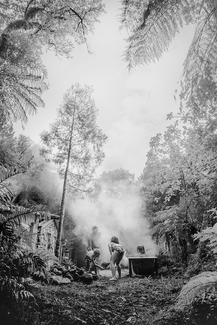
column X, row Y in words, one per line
column 132, row 104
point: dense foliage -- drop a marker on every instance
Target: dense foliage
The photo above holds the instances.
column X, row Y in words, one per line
column 179, row 179
column 179, row 187
column 178, row 182
column 16, row 262
column 27, row 28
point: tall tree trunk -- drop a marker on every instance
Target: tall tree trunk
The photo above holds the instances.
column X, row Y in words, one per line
column 62, row 208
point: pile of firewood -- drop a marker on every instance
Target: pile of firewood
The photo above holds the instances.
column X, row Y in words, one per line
column 68, row 273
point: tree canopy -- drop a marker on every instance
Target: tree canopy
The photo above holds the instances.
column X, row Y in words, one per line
column 76, row 120
column 27, row 28
column 179, row 185
column 117, row 183
column 51, row 23
column 153, row 25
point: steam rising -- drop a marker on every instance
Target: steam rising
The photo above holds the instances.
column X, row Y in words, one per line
column 116, row 212
column 119, row 217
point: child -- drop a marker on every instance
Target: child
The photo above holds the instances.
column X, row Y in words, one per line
column 141, row 251
column 91, row 259
column 117, row 253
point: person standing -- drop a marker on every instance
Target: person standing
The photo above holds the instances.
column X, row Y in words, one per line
column 94, row 239
column 117, row 253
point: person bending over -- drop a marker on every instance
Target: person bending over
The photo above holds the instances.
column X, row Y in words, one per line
column 117, row 253
column 91, row 260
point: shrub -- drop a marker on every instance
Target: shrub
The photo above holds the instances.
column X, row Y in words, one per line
column 16, row 265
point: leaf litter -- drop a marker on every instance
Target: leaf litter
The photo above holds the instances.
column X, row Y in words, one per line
column 130, row 300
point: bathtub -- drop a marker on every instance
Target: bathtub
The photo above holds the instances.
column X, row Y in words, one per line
column 144, row 266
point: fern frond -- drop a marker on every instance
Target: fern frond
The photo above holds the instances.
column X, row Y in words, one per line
column 8, row 172
column 209, row 236
column 195, row 286
column 10, row 286
column 14, row 290
column 156, row 229
column 199, row 87
column 157, row 23
column 163, row 229
column 167, row 214
column 6, row 195
column 20, row 90
column 25, row 295
column 204, row 235
column 21, row 214
column 45, row 255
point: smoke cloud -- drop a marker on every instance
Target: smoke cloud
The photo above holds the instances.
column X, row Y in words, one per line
column 114, row 216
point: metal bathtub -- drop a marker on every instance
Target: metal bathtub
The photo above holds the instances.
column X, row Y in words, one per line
column 143, row 266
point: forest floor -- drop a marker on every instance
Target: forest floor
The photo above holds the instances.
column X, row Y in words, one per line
column 129, row 300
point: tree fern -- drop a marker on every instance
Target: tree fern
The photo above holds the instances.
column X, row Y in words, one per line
column 15, row 266
column 199, row 77
column 6, row 193
column 27, row 27
column 209, row 236
column 153, row 25
column 17, row 263
column 20, row 91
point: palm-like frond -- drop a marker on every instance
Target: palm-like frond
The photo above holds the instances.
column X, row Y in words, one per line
column 208, row 236
column 20, row 214
column 45, row 255
column 14, row 290
column 153, row 25
column 157, row 22
column 196, row 286
column 199, row 85
column 14, row 265
column 20, row 90
column 6, row 194
column 7, row 172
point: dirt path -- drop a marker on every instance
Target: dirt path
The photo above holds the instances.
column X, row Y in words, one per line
column 126, row 301
column 107, row 273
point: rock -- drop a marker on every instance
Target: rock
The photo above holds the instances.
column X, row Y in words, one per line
column 76, row 276
column 57, row 279
column 69, row 276
column 86, row 278
column 57, row 272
